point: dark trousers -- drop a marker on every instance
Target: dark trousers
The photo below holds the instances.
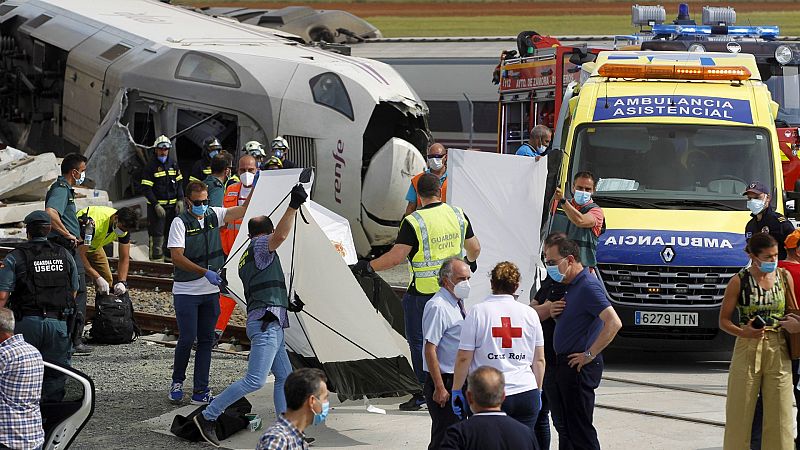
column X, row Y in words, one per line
column 441, row 418
column 79, row 320
column 157, row 228
column 413, row 307
column 196, row 316
column 542, row 427
column 523, row 407
column 49, row 336
column 550, row 392
column 577, row 400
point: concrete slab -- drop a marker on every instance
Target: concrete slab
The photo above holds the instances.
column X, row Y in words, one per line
column 28, row 178
column 11, row 213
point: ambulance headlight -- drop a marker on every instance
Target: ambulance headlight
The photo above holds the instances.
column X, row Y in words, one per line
column 783, row 54
column 697, row 48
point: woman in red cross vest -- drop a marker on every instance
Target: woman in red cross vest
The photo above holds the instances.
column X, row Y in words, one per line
column 503, row 333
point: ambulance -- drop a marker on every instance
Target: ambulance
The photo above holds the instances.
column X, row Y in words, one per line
column 674, row 138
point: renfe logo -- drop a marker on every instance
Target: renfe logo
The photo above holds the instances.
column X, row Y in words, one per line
column 337, row 171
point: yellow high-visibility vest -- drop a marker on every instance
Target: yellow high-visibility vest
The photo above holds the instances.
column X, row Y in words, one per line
column 440, row 231
column 101, row 216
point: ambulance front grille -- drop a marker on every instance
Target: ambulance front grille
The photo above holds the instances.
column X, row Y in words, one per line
column 302, row 151
column 666, row 285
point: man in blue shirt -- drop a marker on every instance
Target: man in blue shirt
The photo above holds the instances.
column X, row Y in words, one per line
column 584, row 328
column 441, row 329
column 537, row 144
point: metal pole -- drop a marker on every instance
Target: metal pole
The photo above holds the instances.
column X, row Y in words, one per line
column 471, row 118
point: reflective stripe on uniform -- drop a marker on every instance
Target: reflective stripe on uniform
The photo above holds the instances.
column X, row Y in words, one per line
column 440, row 238
column 160, row 174
column 147, row 182
column 168, row 202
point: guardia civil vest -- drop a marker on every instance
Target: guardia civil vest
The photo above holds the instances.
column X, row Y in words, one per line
column 42, row 279
column 262, row 288
column 584, row 237
column 440, row 232
column 203, row 246
column 102, row 219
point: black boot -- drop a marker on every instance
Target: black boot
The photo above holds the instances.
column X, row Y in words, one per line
column 208, row 429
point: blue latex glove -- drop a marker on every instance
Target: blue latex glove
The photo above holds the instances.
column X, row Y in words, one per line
column 213, row 277
column 458, row 402
column 255, row 179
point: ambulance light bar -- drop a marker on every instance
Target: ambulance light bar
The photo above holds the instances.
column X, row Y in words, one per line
column 765, row 32
column 671, row 72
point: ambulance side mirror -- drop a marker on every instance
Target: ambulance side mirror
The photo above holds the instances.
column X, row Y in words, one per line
column 773, row 108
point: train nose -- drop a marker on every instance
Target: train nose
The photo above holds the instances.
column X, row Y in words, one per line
column 384, row 189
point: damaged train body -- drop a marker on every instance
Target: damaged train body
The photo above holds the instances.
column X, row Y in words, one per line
column 106, row 78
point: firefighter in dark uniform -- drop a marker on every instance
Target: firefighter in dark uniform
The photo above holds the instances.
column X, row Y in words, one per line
column 38, row 281
column 202, row 168
column 161, row 185
column 764, row 218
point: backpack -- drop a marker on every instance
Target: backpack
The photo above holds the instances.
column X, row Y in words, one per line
column 228, row 423
column 113, row 321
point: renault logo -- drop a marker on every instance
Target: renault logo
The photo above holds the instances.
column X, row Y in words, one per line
column 668, row 254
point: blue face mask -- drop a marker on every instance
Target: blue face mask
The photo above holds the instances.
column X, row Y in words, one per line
column 163, row 159
column 541, row 149
column 199, row 210
column 213, row 153
column 554, row 273
column 582, row 197
column 319, row 417
column 767, row 266
column 82, row 178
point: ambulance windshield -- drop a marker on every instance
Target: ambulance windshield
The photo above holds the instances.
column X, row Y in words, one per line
column 785, row 90
column 672, row 166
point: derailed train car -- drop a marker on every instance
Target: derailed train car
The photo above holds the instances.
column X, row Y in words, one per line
column 106, row 78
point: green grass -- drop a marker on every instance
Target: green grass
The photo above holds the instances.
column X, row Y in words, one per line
column 789, row 23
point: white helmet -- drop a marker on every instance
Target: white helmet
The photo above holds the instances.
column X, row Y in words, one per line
column 162, row 142
column 279, row 143
column 254, row 148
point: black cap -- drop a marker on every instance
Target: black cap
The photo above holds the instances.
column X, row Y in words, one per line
column 756, row 187
column 37, row 216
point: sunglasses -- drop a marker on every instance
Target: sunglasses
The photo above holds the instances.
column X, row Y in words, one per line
column 199, row 202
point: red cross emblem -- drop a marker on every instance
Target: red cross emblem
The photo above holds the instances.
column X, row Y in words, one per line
column 506, row 331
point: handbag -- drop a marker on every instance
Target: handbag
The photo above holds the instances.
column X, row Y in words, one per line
column 792, row 340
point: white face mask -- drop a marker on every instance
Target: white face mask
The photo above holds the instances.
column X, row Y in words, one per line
column 435, row 163
column 119, row 231
column 461, row 289
column 755, row 205
column 247, row 178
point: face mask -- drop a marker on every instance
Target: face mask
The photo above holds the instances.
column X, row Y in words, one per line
column 319, row 418
column 767, row 266
column 81, row 179
column 461, row 289
column 435, row 163
column 247, row 178
column 119, row 231
column 213, row 153
column 557, row 276
column 163, row 159
column 199, row 210
column 755, row 205
column 582, row 197
column 541, row 149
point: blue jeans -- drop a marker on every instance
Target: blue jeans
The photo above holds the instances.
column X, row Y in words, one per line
column 413, row 307
column 267, row 350
column 196, row 316
column 523, row 407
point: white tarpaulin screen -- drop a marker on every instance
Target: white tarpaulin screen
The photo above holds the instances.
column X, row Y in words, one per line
column 503, row 196
column 347, row 328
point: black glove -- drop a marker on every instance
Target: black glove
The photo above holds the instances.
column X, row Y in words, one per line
column 473, row 265
column 299, row 197
column 296, row 305
column 363, row 266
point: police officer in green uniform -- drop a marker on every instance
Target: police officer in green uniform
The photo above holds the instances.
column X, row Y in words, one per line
column 220, row 172
column 161, row 185
column 38, row 281
column 65, row 231
column 764, row 218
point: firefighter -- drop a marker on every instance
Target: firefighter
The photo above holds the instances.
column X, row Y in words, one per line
column 107, row 225
column 280, row 148
column 220, row 174
column 202, row 168
column 256, row 150
column 273, row 163
column 43, row 298
column 161, row 185
column 437, row 165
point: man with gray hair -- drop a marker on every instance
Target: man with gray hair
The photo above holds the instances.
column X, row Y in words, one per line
column 489, row 428
column 441, row 329
column 21, row 373
column 537, row 143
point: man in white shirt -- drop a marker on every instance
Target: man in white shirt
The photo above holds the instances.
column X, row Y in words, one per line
column 196, row 248
column 441, row 329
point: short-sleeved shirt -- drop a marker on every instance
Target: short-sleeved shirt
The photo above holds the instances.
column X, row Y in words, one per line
column 411, row 195
column 598, row 215
column 773, row 223
column 21, row 374
column 61, row 197
column 503, row 334
column 579, row 324
column 9, row 270
column 177, row 239
column 407, row 236
column 441, row 326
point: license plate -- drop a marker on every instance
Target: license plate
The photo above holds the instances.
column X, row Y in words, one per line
column 673, row 319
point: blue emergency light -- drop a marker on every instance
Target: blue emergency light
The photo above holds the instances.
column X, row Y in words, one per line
column 765, row 32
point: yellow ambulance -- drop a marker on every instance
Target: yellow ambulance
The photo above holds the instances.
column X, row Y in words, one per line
column 673, row 139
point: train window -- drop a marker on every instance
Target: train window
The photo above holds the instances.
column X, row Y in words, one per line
column 39, row 20
column 5, row 9
column 114, row 52
column 207, row 69
column 445, row 116
column 328, row 89
column 485, row 118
